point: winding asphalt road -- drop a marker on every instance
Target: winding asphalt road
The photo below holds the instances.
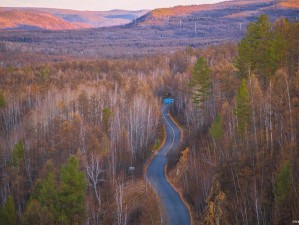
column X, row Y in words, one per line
column 176, row 212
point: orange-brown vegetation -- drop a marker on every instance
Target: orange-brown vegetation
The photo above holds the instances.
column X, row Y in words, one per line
column 240, row 173
column 145, row 36
column 179, row 10
column 80, row 108
column 293, row 4
column 14, row 19
column 62, row 19
column 106, row 113
column 143, row 205
column 228, row 9
column 243, row 14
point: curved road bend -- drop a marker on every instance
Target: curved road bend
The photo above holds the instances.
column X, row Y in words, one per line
column 175, row 209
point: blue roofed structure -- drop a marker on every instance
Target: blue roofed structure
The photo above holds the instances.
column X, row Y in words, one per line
column 168, row 101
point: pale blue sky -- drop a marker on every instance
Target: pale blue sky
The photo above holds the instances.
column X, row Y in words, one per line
column 101, row 5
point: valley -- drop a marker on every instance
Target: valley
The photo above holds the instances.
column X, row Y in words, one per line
column 185, row 115
column 62, row 19
column 156, row 32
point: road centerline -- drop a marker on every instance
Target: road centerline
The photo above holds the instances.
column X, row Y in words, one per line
column 176, row 211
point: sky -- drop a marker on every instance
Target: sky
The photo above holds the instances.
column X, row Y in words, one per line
column 102, row 5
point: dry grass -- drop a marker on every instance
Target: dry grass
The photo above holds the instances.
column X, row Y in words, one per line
column 143, row 206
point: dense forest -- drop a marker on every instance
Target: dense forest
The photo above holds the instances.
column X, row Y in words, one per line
column 241, row 116
column 70, row 131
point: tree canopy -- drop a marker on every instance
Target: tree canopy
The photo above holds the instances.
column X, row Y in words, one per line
column 72, row 192
column 201, row 82
column 8, row 214
column 243, row 108
column 261, row 50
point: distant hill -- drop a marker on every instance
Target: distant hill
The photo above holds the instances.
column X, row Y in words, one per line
column 27, row 20
column 289, row 4
column 160, row 30
column 245, row 9
column 224, row 21
column 61, row 19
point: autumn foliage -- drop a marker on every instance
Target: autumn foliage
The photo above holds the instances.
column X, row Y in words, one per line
column 70, row 130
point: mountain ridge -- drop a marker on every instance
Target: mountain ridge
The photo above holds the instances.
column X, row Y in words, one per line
column 149, row 34
column 15, row 18
column 242, row 7
column 18, row 18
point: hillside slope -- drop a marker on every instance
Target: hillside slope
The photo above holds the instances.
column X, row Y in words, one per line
column 61, row 19
column 26, row 20
column 161, row 30
column 221, row 21
column 246, row 10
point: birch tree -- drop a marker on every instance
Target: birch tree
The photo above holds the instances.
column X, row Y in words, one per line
column 95, row 176
column 119, row 198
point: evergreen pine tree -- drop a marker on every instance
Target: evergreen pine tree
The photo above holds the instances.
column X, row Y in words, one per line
column 261, row 49
column 2, row 100
column 8, row 214
column 243, row 108
column 201, row 82
column 46, row 194
column 18, row 153
column 106, row 118
column 283, row 184
column 72, row 192
column 216, row 129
